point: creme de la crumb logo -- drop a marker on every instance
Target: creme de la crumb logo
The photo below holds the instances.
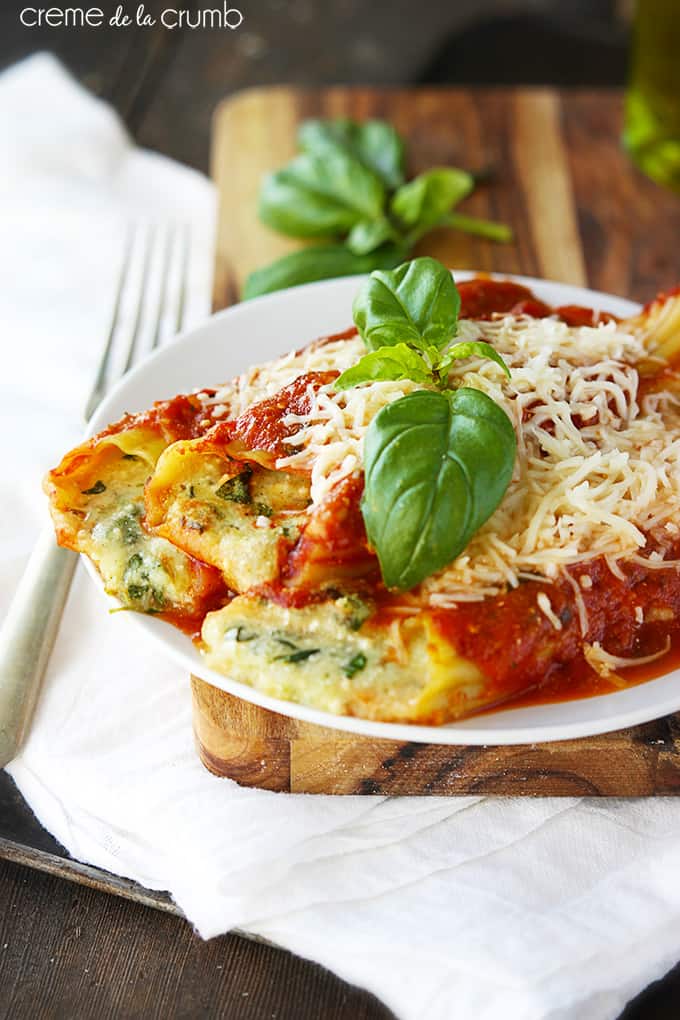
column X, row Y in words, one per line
column 94, row 17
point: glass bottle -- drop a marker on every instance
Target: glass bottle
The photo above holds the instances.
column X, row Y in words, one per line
column 652, row 111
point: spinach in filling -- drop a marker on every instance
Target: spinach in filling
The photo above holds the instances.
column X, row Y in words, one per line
column 137, row 581
column 237, row 489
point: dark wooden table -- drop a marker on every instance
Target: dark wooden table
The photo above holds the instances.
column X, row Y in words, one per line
column 72, row 951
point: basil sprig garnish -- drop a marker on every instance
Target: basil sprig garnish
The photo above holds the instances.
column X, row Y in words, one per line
column 417, row 303
column 437, row 466
column 437, row 461
column 397, row 362
column 348, row 186
column 407, row 318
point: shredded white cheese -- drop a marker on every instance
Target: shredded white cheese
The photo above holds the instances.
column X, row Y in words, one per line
column 605, row 664
column 597, row 469
column 331, row 438
column 578, row 599
column 262, row 381
column 546, row 608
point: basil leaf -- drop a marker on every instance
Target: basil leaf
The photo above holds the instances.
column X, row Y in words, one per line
column 437, row 466
column 373, row 142
column 492, row 231
column 423, row 201
column 417, row 304
column 368, row 235
column 472, row 349
column 318, row 196
column 398, row 362
column 321, row 262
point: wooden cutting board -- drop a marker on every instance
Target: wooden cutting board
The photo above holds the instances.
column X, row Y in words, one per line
column 581, row 214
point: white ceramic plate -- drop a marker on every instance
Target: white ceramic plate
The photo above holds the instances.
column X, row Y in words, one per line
column 258, row 330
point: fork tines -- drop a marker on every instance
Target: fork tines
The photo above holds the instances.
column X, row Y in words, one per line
column 150, row 300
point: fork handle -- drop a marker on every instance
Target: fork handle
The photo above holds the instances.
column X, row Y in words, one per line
column 27, row 636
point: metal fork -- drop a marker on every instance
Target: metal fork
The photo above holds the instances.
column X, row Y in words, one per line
column 145, row 294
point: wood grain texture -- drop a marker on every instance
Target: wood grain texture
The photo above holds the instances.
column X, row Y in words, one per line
column 543, row 175
column 261, row 748
column 629, row 225
column 580, row 210
column 581, row 214
column 60, row 946
column 69, row 953
column 260, row 125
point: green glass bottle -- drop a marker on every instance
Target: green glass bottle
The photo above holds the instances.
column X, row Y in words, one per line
column 652, row 116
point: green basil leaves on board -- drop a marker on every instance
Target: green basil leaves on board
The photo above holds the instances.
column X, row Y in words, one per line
column 347, row 186
column 374, row 143
column 320, row 195
column 437, row 466
column 320, row 262
column 422, row 203
column 498, row 232
column 367, row 235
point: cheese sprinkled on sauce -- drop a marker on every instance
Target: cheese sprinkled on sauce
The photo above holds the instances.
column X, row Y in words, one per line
column 597, row 470
column 545, row 605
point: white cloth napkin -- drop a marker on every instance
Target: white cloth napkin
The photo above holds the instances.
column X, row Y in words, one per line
column 527, row 909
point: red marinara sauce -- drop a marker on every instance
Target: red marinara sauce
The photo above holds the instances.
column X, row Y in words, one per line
column 527, row 660
column 482, row 298
column 526, row 657
column 579, row 680
column 263, row 426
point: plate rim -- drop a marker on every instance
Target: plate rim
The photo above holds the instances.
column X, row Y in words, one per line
column 466, row 732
